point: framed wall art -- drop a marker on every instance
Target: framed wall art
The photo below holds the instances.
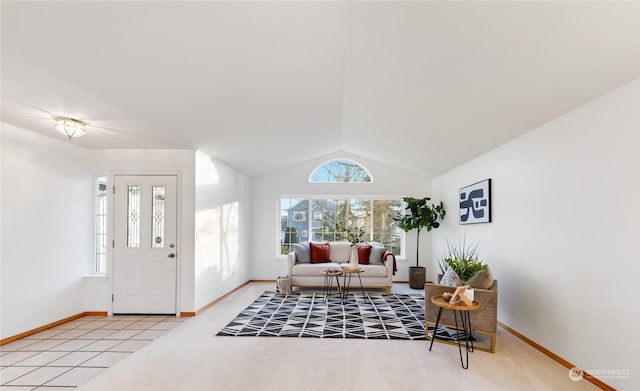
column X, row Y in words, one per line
column 475, row 203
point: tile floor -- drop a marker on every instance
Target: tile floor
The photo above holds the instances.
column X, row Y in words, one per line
column 66, row 356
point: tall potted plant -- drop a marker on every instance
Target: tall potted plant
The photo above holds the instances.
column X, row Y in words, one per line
column 419, row 214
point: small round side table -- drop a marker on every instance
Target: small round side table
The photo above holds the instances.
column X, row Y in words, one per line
column 463, row 311
column 329, row 274
column 346, row 281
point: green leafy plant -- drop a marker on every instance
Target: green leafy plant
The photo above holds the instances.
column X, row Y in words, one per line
column 443, row 266
column 420, row 214
column 463, row 259
column 355, row 235
column 465, row 268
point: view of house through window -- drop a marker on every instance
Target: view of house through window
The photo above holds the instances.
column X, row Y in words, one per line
column 101, row 225
column 335, row 219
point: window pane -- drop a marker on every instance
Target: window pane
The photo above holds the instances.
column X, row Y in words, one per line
column 340, row 171
column 101, row 225
column 133, row 216
column 335, row 219
column 332, row 225
column 359, row 222
column 294, row 213
column 385, row 229
column 157, row 215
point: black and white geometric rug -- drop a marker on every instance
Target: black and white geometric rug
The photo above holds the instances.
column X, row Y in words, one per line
column 306, row 314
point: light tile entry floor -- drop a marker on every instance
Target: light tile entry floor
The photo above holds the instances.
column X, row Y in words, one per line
column 66, row 356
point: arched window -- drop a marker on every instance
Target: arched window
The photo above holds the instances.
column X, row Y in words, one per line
column 340, row 171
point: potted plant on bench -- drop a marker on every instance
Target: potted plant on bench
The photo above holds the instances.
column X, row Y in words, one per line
column 419, row 214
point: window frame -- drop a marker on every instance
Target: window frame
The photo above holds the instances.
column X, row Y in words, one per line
column 351, row 161
column 310, row 221
column 96, row 268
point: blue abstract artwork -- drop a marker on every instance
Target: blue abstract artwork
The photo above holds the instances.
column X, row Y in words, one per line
column 475, row 203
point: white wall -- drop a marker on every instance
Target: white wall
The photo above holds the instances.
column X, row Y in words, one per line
column 565, row 233
column 47, row 203
column 221, row 230
column 47, row 236
column 294, row 181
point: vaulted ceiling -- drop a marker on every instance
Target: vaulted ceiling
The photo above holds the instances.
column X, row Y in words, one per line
column 423, row 86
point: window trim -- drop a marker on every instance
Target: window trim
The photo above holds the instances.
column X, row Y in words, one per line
column 362, row 166
column 95, row 269
column 371, row 198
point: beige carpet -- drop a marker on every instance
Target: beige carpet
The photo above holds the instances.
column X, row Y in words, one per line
column 191, row 358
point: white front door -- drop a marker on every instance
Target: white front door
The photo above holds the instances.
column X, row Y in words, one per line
column 144, row 248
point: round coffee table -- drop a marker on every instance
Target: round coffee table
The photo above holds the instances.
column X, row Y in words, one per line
column 346, row 282
column 329, row 274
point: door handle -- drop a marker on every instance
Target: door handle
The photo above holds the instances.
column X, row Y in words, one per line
column 172, row 255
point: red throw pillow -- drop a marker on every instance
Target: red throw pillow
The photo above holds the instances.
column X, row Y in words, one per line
column 363, row 254
column 319, row 252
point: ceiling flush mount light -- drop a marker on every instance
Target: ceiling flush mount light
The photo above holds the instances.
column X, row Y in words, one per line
column 70, row 127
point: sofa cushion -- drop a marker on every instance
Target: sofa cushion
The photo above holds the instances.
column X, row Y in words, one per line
column 339, row 251
column 312, row 269
column 319, row 252
column 373, row 271
column 302, row 252
column 482, row 279
column 375, row 255
column 450, row 278
column 363, row 254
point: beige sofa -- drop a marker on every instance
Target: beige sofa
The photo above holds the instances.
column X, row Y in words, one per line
column 483, row 321
column 308, row 274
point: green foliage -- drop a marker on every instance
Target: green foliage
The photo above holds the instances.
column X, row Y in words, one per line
column 463, row 259
column 462, row 250
column 356, row 235
column 465, row 268
column 420, row 214
column 443, row 265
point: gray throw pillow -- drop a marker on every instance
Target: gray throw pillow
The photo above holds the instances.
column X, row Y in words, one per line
column 450, row 278
column 482, row 279
column 303, row 255
column 375, row 256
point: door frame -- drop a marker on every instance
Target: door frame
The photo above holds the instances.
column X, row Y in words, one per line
column 110, row 230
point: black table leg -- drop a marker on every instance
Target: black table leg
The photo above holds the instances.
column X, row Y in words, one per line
column 468, row 329
column 435, row 329
column 361, row 288
column 326, row 288
column 465, row 319
column 346, row 284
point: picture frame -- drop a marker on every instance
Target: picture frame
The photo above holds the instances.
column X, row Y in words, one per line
column 460, row 297
column 475, row 203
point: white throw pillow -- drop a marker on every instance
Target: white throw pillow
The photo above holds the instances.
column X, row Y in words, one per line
column 450, row 278
column 302, row 252
column 339, row 251
column 375, row 256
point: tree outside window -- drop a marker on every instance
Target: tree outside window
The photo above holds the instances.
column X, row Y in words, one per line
column 341, row 218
